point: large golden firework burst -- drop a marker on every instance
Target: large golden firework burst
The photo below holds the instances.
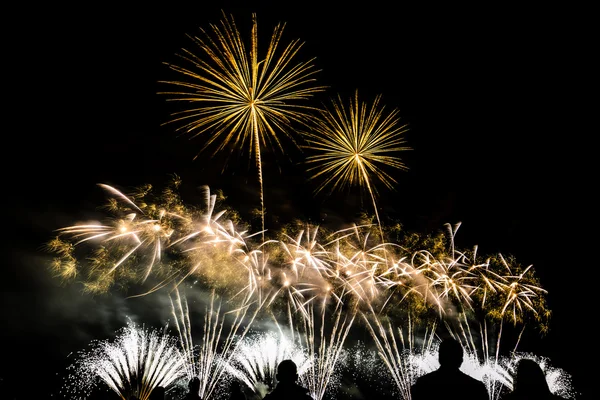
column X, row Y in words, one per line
column 237, row 97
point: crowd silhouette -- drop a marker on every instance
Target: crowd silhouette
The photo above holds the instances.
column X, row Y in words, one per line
column 447, row 382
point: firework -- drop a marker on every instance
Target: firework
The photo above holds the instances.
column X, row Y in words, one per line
column 322, row 333
column 455, row 281
column 442, row 278
column 257, row 357
column 409, row 355
column 129, row 245
column 319, row 279
column 365, row 368
column 361, row 263
column 520, row 292
column 222, row 333
column 308, row 269
column 348, row 264
column 244, row 100
column 352, row 142
column 157, row 236
column 482, row 353
column 215, row 249
column 404, row 357
column 136, row 362
column 200, row 243
column 446, row 278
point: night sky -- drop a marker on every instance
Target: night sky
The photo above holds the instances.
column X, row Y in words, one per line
column 489, row 96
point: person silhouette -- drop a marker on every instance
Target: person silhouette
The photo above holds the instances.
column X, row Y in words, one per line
column 193, row 389
column 158, row 393
column 235, row 391
column 530, row 383
column 287, row 388
column 448, row 381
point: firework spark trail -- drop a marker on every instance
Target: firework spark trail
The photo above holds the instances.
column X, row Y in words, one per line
column 311, row 266
column 491, row 373
column 135, row 363
column 350, row 262
column 322, row 334
column 129, row 240
column 181, row 316
column 227, row 239
column 404, row 363
column 211, row 240
column 361, row 265
column 362, row 362
column 446, row 277
column 306, row 253
column 128, row 233
column 214, row 353
column 259, row 276
column 351, row 142
column 490, row 283
column 241, row 99
column 208, row 222
column 519, row 292
column 451, row 280
column 481, row 361
column 257, row 357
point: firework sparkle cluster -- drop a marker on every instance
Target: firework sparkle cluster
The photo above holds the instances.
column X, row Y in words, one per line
column 314, row 284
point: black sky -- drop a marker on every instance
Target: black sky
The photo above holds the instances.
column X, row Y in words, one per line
column 490, row 96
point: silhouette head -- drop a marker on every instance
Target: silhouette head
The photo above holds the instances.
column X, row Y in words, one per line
column 450, row 353
column 158, row 393
column 287, row 371
column 194, row 384
column 530, row 378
